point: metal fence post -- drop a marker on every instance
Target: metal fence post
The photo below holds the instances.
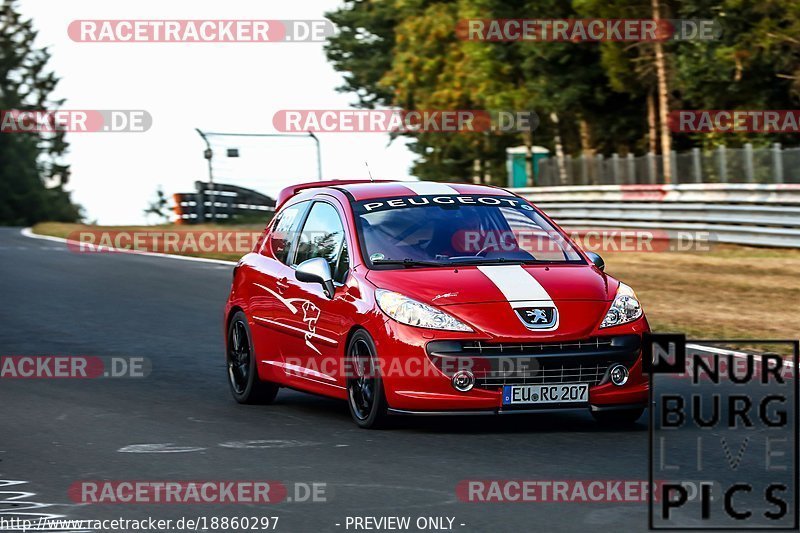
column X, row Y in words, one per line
column 584, row 170
column 546, row 173
column 722, row 164
column 651, row 167
column 748, row 163
column 615, row 168
column 673, row 162
column 777, row 163
column 568, row 170
column 600, row 177
column 539, row 178
column 631, row 169
column 697, row 165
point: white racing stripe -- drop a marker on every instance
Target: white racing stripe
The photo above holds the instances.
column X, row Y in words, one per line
column 519, row 287
column 521, row 290
column 423, row 188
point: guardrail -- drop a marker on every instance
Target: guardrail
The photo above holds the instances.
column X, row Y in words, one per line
column 750, row 214
column 220, row 202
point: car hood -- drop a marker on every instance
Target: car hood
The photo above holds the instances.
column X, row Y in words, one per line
column 486, row 297
column 501, row 283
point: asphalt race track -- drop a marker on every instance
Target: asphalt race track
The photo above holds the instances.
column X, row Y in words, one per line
column 56, row 432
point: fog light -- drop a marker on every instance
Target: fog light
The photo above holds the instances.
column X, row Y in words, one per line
column 619, row 375
column 463, row 380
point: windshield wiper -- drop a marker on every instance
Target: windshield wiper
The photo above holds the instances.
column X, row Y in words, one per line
column 469, row 259
column 464, row 260
column 407, row 262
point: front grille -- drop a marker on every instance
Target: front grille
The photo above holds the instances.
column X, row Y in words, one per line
column 495, row 364
column 540, row 348
column 546, row 375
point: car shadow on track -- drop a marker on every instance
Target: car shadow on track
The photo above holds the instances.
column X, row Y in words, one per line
column 307, row 406
column 513, row 424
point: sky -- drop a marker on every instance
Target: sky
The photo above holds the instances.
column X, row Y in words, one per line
column 217, row 87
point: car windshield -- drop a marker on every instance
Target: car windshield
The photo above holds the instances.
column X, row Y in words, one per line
column 465, row 229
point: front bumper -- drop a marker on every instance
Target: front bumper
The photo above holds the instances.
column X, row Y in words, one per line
column 418, row 366
column 495, row 412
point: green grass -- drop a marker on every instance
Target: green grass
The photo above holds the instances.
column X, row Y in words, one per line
column 729, row 292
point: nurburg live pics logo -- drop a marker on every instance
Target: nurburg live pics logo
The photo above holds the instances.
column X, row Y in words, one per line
column 732, row 421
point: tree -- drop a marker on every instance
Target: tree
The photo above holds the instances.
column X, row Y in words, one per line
column 28, row 159
column 405, row 54
column 754, row 64
column 432, row 69
column 663, row 99
column 362, row 48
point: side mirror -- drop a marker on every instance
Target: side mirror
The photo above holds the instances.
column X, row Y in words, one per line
column 316, row 270
column 597, row 260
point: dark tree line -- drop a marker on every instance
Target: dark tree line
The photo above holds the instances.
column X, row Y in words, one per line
column 591, row 97
column 29, row 161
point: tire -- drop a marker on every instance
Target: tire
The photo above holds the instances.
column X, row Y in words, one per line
column 365, row 396
column 618, row 417
column 240, row 360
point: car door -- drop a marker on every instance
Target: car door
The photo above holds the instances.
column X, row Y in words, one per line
column 269, row 311
column 320, row 323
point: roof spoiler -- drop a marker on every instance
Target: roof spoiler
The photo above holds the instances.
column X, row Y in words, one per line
column 290, row 191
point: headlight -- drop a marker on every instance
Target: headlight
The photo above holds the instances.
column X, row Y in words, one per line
column 414, row 313
column 626, row 308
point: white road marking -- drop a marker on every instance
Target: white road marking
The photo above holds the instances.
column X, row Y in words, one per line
column 13, row 502
column 263, row 444
column 159, row 448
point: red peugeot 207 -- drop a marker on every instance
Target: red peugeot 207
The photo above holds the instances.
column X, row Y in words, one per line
column 427, row 298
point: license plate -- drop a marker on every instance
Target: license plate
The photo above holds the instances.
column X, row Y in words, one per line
column 546, row 394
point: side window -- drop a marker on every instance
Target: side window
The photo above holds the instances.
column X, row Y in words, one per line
column 285, row 231
column 323, row 236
